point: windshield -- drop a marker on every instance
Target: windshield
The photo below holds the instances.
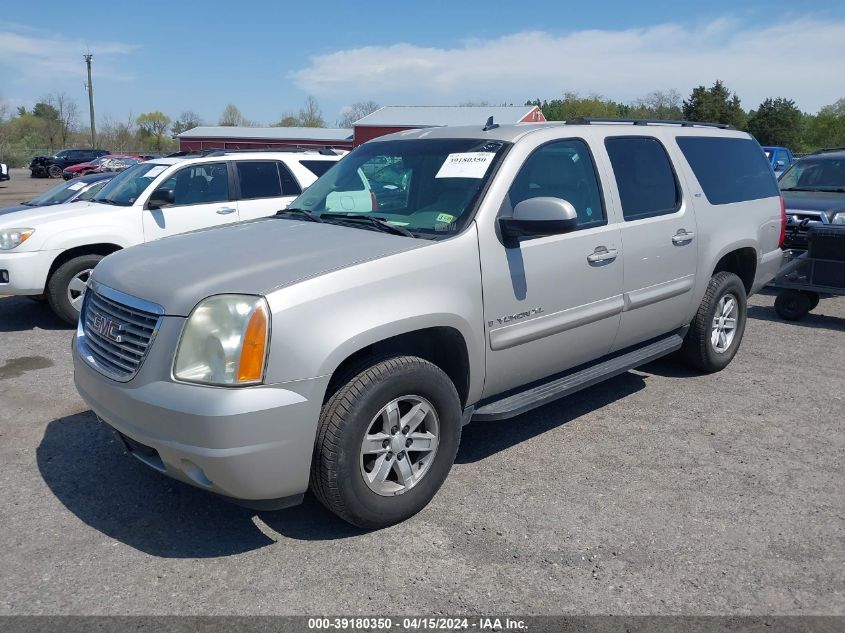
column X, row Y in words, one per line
column 58, row 194
column 125, row 188
column 815, row 174
column 427, row 186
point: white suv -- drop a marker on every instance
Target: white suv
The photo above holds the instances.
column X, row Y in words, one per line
column 49, row 253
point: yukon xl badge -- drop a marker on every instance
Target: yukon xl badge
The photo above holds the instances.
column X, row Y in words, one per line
column 107, row 327
column 515, row 317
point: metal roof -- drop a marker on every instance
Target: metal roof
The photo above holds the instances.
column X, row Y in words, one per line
column 269, row 133
column 433, row 116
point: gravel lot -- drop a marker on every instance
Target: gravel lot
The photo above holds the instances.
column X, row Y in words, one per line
column 658, row 492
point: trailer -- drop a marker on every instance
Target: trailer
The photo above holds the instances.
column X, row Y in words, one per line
column 808, row 276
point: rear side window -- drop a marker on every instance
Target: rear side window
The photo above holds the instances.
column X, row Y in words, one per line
column 317, row 167
column 644, row 176
column 729, row 169
column 265, row 179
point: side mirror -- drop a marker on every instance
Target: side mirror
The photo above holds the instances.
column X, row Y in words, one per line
column 161, row 197
column 780, row 164
column 538, row 217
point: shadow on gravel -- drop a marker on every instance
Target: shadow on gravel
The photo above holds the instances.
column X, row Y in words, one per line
column 482, row 439
column 19, row 314
column 669, row 367
column 812, row 320
column 87, row 468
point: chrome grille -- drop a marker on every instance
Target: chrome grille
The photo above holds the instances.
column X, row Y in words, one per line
column 118, row 330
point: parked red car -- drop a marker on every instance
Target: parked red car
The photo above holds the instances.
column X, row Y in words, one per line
column 110, row 162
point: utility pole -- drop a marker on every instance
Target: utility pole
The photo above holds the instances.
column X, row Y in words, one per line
column 90, row 87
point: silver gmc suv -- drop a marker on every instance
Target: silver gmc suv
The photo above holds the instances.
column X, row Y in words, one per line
column 431, row 278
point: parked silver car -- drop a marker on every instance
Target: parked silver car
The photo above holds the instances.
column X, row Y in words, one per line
column 345, row 349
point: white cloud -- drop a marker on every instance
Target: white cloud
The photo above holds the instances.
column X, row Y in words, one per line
column 801, row 59
column 38, row 56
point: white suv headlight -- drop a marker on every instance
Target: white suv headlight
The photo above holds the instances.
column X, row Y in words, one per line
column 10, row 238
column 225, row 341
column 838, row 218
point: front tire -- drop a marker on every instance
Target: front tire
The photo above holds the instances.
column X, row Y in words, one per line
column 54, row 171
column 66, row 286
column 386, row 442
column 716, row 331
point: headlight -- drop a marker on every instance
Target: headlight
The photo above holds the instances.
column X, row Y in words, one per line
column 838, row 218
column 10, row 238
column 225, row 341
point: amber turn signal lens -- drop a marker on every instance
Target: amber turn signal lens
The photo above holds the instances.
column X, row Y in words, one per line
column 251, row 365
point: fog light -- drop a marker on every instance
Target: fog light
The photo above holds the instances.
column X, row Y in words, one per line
column 195, row 473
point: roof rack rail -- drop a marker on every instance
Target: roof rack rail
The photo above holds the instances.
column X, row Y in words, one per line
column 822, row 150
column 325, row 151
column 583, row 120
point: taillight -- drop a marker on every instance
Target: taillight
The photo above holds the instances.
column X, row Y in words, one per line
column 373, row 200
column 782, row 222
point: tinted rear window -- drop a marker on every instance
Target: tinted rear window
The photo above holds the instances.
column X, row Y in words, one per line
column 317, row 167
column 729, row 169
column 644, row 177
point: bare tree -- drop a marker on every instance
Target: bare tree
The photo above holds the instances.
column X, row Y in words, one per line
column 68, row 114
column 356, row 111
column 232, row 117
column 311, row 114
column 188, row 120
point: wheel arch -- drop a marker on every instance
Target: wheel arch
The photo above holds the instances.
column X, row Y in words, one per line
column 740, row 260
column 102, row 248
column 444, row 346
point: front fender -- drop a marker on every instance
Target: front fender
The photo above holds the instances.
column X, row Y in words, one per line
column 319, row 323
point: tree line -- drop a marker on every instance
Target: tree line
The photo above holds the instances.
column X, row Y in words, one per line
column 54, row 123
column 776, row 121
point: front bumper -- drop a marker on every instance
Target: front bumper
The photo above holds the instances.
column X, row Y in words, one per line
column 252, row 444
column 26, row 272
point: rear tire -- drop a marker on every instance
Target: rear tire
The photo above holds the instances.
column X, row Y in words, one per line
column 793, row 305
column 378, row 406
column 67, row 286
column 716, row 331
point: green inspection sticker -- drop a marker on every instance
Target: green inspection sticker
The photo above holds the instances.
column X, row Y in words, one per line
column 445, row 217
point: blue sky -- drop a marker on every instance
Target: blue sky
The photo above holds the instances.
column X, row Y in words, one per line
column 267, row 57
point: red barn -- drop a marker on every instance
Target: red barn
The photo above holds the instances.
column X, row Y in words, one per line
column 230, row 137
column 390, row 119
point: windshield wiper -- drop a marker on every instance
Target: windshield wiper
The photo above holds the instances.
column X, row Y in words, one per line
column 381, row 223
column 830, row 189
column 300, row 213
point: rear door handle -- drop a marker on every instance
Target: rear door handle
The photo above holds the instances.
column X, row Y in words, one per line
column 602, row 255
column 682, row 238
column 226, row 210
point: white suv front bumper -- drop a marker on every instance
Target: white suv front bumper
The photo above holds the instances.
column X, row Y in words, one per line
column 25, row 273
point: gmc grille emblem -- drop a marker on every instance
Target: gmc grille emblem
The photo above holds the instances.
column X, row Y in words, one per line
column 107, row 327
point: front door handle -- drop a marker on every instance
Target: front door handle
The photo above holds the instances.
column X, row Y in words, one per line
column 602, row 255
column 682, row 237
column 226, row 210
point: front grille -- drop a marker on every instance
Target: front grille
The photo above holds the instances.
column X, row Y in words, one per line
column 118, row 331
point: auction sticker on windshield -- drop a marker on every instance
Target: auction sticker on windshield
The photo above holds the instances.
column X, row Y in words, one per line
column 466, row 165
column 155, row 171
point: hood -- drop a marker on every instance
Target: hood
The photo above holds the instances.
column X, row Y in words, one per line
column 79, row 167
column 254, row 257
column 829, row 201
column 14, row 208
column 34, row 216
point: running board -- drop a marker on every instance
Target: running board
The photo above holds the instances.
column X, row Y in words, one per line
column 558, row 387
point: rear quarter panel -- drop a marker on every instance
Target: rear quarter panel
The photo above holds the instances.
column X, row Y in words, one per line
column 722, row 228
